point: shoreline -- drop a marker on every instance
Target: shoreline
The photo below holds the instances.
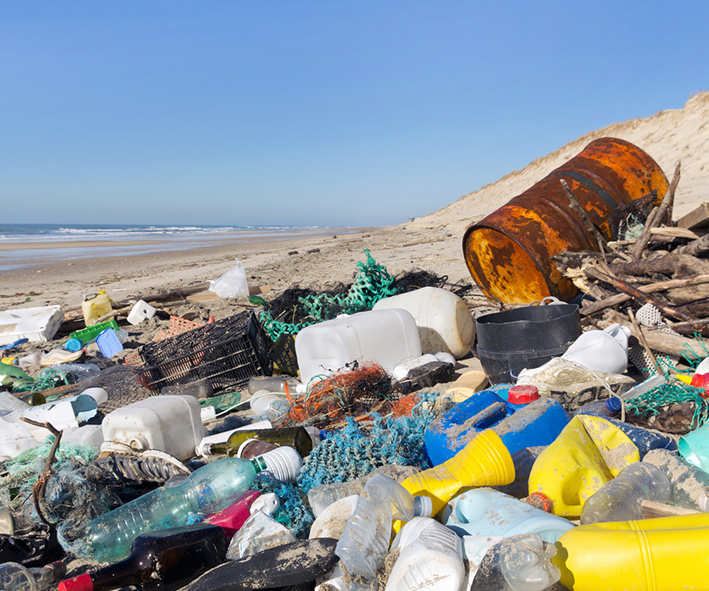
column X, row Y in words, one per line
column 313, row 258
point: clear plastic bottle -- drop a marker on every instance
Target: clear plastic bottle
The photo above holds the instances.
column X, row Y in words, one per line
column 404, row 505
column 620, row 499
column 274, row 384
column 16, row 577
column 430, row 557
column 690, row 485
column 208, row 490
column 77, row 372
column 365, row 541
column 518, row 563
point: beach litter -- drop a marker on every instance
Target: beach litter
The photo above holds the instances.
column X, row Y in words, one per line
column 340, row 438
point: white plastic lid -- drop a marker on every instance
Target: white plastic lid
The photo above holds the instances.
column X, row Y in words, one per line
column 283, row 463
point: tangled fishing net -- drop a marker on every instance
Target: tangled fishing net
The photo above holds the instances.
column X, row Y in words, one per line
column 69, row 501
column 356, row 451
column 357, row 390
column 372, row 283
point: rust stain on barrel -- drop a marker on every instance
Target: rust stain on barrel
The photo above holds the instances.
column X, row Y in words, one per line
column 508, row 253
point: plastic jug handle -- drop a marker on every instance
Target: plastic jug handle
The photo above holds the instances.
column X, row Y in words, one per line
column 490, row 412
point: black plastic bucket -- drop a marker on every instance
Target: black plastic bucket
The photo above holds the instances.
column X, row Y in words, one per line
column 527, row 337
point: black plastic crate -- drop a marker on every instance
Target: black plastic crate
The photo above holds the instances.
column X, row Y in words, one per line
column 226, row 353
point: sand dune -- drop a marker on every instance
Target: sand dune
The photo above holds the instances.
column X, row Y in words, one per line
column 668, row 136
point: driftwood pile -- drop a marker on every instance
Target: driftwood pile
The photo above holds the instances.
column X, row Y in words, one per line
column 667, row 266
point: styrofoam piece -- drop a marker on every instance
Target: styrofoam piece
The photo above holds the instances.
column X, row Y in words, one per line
column 387, row 337
column 140, row 311
column 38, row 324
column 168, row 423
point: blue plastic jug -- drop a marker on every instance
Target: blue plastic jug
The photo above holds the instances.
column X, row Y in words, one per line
column 518, row 425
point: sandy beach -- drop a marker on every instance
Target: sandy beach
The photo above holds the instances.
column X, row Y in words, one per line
column 275, row 262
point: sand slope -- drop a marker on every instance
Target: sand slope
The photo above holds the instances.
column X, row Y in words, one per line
column 668, row 136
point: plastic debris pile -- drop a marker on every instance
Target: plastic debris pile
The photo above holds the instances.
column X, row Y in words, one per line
column 394, row 467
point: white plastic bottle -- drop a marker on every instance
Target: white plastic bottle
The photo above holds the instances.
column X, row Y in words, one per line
column 430, row 558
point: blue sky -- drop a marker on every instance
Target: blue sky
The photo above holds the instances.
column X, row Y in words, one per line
column 308, row 112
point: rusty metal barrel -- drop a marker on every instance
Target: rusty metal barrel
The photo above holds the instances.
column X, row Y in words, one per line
column 509, row 252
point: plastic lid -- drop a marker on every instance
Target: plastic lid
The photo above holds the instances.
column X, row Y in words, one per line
column 540, row 501
column 283, row 463
column 74, row 344
column 522, row 394
column 80, row 583
column 423, row 506
column 613, row 404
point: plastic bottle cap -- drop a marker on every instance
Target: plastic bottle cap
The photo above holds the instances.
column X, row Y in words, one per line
column 540, row 501
column 73, row 344
column 80, row 583
column 423, row 506
column 522, row 394
column 613, row 404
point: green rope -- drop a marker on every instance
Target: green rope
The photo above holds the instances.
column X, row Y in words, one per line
column 48, row 379
column 674, row 393
column 372, row 284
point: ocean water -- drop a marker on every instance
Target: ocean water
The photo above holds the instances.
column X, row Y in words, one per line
column 23, row 245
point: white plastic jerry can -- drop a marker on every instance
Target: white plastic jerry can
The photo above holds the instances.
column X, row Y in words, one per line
column 444, row 321
column 386, row 337
column 172, row 424
column 601, row 350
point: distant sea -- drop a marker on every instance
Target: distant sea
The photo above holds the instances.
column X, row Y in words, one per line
column 53, row 242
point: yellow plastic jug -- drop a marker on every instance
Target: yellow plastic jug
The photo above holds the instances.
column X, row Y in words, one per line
column 485, row 461
column 95, row 305
column 589, row 452
column 663, row 554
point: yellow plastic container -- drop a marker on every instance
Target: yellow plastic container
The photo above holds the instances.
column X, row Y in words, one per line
column 95, row 305
column 589, row 452
column 664, row 554
column 485, row 461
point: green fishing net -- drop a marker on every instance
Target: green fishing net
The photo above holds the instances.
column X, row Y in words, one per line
column 372, row 284
column 674, row 392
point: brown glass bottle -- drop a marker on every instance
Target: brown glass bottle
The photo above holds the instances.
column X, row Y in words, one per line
column 296, row 437
column 164, row 560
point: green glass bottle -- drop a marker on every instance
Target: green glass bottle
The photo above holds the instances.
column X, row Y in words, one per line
column 295, row 437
